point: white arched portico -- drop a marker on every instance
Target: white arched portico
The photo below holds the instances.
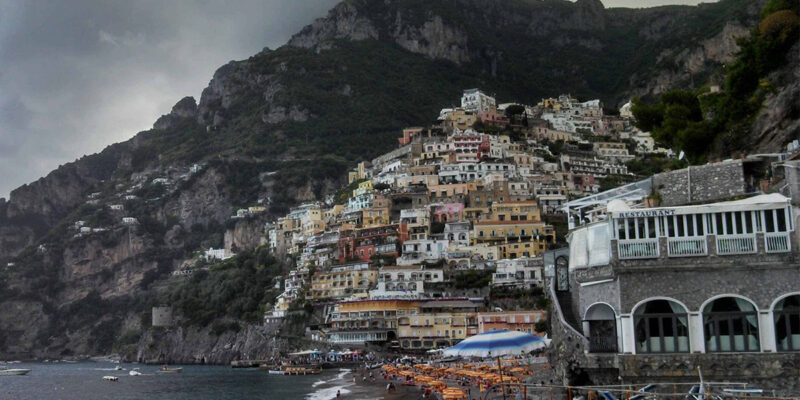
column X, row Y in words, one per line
column 784, row 322
column 661, row 325
column 733, row 323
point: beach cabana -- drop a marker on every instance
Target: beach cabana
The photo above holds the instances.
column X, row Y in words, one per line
column 496, row 344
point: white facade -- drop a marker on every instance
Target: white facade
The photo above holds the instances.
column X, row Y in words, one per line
column 476, row 101
column 409, row 282
column 217, row 254
column 520, row 272
column 418, row 251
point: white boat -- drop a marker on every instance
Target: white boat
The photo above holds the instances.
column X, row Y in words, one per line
column 118, row 368
column 110, row 378
column 165, row 369
column 134, row 373
column 276, row 372
column 13, row 371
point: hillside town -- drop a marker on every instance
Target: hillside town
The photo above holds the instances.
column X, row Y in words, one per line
column 471, row 193
column 539, row 199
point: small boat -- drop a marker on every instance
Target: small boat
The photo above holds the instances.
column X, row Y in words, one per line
column 13, row 371
column 134, row 373
column 275, row 372
column 118, row 368
column 110, row 378
column 168, row 370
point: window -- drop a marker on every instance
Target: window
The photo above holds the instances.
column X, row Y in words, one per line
column 661, row 326
column 730, row 324
column 786, row 316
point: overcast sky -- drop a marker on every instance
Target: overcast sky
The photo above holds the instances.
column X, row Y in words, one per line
column 76, row 76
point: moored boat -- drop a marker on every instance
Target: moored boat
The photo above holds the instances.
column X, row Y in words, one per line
column 168, row 370
column 13, row 371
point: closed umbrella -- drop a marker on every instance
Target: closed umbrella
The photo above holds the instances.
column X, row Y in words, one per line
column 496, row 344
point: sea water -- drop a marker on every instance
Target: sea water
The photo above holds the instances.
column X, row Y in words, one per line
column 84, row 381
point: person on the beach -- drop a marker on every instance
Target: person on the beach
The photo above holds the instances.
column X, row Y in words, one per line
column 338, row 394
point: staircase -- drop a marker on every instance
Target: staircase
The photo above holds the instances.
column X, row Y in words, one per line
column 565, row 301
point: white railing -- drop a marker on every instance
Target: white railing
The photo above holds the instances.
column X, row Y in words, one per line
column 777, row 242
column 637, row 248
column 736, row 244
column 687, row 246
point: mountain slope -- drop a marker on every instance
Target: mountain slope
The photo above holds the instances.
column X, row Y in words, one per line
column 283, row 126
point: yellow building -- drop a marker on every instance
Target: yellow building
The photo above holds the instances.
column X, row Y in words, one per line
column 359, row 173
column 460, row 119
column 516, row 211
column 330, row 214
column 500, row 231
column 452, row 189
column 375, row 216
column 357, row 322
column 363, row 187
column 529, row 248
column 435, row 330
column 343, row 282
column 475, row 214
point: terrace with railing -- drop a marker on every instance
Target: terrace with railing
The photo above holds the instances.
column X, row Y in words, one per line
column 758, row 225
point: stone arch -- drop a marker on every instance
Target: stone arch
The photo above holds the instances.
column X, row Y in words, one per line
column 719, row 296
column 730, row 324
column 649, row 299
column 661, row 325
column 786, row 322
column 600, row 326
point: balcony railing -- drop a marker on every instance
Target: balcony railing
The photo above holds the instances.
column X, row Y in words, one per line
column 736, row 244
column 777, row 242
column 687, row 246
column 638, row 248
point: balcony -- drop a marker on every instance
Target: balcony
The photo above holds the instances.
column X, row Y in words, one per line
column 638, row 248
column 777, row 242
column 687, row 246
column 736, row 244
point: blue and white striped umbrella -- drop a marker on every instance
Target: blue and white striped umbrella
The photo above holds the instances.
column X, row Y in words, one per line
column 497, row 343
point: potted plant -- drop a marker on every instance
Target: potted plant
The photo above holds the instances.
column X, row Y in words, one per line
column 653, row 200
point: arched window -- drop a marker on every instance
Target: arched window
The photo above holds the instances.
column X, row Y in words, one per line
column 730, row 324
column 661, row 326
column 601, row 323
column 787, row 323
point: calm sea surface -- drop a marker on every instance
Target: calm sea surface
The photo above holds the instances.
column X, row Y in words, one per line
column 67, row 381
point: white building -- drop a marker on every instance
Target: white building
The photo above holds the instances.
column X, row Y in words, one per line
column 520, row 273
column 476, row 101
column 421, row 250
column 129, row 221
column 217, row 254
column 404, row 281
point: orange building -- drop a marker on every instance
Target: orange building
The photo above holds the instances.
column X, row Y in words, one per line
column 523, row 321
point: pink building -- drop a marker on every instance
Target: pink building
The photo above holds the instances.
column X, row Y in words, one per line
column 447, row 212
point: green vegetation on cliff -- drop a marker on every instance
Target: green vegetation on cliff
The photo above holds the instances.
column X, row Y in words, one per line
column 703, row 123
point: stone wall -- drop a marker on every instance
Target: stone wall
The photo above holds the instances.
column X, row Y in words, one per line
column 759, row 277
column 776, row 371
column 699, row 184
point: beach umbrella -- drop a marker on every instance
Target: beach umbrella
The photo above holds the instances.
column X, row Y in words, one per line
column 496, row 344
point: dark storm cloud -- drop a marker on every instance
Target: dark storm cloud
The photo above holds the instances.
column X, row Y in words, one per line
column 76, row 76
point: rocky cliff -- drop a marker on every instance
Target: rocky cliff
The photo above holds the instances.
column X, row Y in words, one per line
column 282, row 126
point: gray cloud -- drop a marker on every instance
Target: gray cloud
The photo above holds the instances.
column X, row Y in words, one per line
column 76, row 76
